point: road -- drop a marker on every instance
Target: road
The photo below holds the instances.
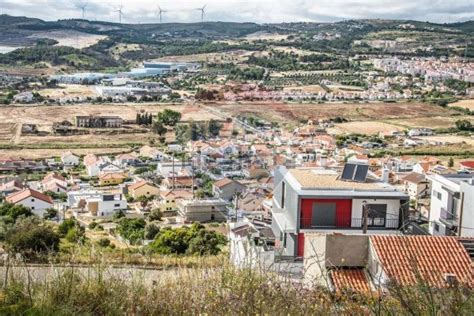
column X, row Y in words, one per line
column 147, row 276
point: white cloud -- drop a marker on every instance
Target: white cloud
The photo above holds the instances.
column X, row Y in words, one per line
column 261, row 11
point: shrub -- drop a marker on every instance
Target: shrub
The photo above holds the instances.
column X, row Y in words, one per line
column 51, row 213
column 155, row 215
column 30, row 239
column 103, row 242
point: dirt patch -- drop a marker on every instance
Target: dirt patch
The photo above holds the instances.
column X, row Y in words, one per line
column 71, row 38
column 467, row 104
column 363, row 127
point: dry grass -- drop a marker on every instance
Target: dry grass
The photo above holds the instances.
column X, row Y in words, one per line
column 364, row 127
column 466, row 104
column 434, row 121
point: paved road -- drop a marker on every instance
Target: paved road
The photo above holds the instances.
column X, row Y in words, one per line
column 136, row 274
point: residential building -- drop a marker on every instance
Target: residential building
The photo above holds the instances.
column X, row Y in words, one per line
column 226, row 189
column 365, row 263
column 96, row 203
column 99, row 121
column 111, row 178
column 142, row 188
column 168, row 199
column 36, row 201
column 452, row 205
column 319, row 200
column 11, row 187
column 467, row 166
column 69, row 159
column 150, row 152
column 202, row 210
column 177, row 167
column 416, row 185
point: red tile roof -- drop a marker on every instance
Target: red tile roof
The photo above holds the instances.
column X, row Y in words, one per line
column 26, row 193
column 350, row 279
column 430, row 257
column 467, row 164
column 223, row 182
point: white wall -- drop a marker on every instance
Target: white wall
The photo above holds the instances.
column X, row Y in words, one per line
column 107, row 208
column 435, row 208
column 37, row 206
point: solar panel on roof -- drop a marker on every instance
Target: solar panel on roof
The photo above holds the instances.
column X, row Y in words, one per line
column 348, row 172
column 361, row 173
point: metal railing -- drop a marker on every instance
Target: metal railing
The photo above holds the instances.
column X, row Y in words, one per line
column 348, row 223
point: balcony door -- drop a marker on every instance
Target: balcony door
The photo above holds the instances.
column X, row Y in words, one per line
column 377, row 215
column 323, row 215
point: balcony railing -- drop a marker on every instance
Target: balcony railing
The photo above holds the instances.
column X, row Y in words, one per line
column 448, row 217
column 351, row 223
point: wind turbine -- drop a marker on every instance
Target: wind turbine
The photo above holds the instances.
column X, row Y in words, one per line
column 160, row 13
column 120, row 13
column 203, row 12
column 83, row 7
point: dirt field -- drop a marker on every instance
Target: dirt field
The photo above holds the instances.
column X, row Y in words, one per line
column 231, row 56
column 308, row 89
column 434, row 121
column 363, row 127
column 467, row 104
column 69, row 91
column 450, row 139
column 50, row 153
column 71, row 38
column 292, row 113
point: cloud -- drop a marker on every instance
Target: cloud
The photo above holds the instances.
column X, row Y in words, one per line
column 260, row 11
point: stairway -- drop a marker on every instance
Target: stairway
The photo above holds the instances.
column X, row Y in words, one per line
column 468, row 244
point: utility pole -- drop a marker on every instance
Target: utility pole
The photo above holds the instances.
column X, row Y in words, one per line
column 172, row 174
column 192, row 170
column 365, row 214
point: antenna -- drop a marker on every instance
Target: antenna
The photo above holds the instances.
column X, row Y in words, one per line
column 82, row 7
column 120, row 13
column 160, row 13
column 203, row 12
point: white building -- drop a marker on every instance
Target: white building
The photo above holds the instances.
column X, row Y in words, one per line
column 452, row 205
column 69, row 159
column 96, row 203
column 36, row 201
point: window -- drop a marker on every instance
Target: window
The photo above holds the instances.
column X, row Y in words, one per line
column 377, row 215
column 117, row 205
column 282, row 204
column 436, row 227
column 32, row 207
column 437, row 194
column 32, row 200
column 324, row 215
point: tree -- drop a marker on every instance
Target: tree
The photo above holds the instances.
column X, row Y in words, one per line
column 151, row 230
column 120, row 214
column 463, row 125
column 451, row 162
column 169, row 117
column 155, row 215
column 51, row 213
column 103, row 242
column 30, row 239
column 13, row 211
column 214, row 127
column 132, row 229
column 67, row 225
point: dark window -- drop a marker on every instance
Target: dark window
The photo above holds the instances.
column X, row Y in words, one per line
column 436, row 227
column 212, row 217
column 377, row 214
column 283, row 184
column 116, row 205
column 324, row 215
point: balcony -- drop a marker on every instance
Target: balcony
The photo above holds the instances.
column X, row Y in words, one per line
column 354, row 223
column 448, row 217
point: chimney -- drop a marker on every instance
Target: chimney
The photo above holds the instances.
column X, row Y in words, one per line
column 385, row 175
column 323, row 161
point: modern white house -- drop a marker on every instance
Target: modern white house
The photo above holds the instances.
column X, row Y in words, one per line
column 96, row 203
column 177, row 167
column 452, row 205
column 324, row 201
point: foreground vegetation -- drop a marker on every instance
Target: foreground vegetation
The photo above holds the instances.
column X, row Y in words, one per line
column 222, row 290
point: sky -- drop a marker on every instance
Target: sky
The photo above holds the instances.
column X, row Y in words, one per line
column 259, row 11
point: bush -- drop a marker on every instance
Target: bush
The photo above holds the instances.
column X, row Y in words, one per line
column 67, row 225
column 30, row 239
column 93, row 225
column 194, row 240
column 132, row 229
column 51, row 213
column 151, row 230
column 103, row 242
column 155, row 215
column 13, row 211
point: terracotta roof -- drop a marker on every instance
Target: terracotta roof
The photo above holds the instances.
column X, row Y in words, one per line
column 137, row 185
column 350, row 279
column 26, row 193
column 112, row 175
column 431, row 257
column 53, row 175
column 223, row 182
column 90, row 159
column 414, row 177
column 467, row 164
column 177, row 194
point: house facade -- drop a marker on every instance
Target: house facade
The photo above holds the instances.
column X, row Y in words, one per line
column 452, row 205
column 32, row 199
column 317, row 200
